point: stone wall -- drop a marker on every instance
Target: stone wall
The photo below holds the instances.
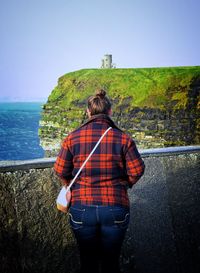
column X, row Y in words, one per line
column 163, row 235
column 35, row 237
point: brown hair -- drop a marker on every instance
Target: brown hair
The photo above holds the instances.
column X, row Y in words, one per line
column 99, row 103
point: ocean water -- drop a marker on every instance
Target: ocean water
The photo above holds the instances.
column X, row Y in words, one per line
column 19, row 124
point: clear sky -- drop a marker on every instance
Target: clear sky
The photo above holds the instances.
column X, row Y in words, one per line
column 44, row 39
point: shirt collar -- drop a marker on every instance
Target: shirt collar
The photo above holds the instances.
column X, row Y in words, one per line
column 103, row 118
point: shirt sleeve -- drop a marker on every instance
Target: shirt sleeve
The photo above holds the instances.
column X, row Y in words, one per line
column 134, row 164
column 64, row 163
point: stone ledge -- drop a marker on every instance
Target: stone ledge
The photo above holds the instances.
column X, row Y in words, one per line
column 42, row 163
column 167, row 151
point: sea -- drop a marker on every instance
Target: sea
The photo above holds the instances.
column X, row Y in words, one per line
column 19, row 124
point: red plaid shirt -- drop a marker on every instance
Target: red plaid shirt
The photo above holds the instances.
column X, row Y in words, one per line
column 114, row 166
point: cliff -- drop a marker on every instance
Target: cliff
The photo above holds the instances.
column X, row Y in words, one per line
column 158, row 107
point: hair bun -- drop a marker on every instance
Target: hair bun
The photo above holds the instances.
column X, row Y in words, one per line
column 101, row 93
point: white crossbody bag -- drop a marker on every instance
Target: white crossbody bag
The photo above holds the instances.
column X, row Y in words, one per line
column 61, row 201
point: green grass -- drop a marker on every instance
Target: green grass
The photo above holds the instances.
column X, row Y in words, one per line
column 146, row 87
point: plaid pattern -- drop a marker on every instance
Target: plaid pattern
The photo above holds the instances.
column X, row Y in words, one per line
column 115, row 165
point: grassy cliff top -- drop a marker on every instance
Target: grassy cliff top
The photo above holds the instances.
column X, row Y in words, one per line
column 145, row 87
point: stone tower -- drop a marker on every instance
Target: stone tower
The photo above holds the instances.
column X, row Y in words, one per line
column 107, row 61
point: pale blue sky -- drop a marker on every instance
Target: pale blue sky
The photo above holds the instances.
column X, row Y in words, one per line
column 44, row 39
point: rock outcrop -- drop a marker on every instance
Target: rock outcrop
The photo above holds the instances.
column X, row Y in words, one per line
column 158, row 107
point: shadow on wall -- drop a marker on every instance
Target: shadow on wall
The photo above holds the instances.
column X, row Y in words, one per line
column 10, row 254
column 33, row 256
column 30, row 256
column 34, row 236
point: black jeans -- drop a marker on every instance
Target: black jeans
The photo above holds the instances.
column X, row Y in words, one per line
column 100, row 232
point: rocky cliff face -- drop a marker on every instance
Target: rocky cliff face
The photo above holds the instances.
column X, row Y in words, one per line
column 158, row 107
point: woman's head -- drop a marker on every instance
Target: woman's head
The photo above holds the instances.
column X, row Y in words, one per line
column 99, row 103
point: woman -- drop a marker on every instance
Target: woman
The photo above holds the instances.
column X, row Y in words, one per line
column 99, row 211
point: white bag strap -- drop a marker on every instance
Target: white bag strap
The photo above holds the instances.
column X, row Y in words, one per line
column 83, row 165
